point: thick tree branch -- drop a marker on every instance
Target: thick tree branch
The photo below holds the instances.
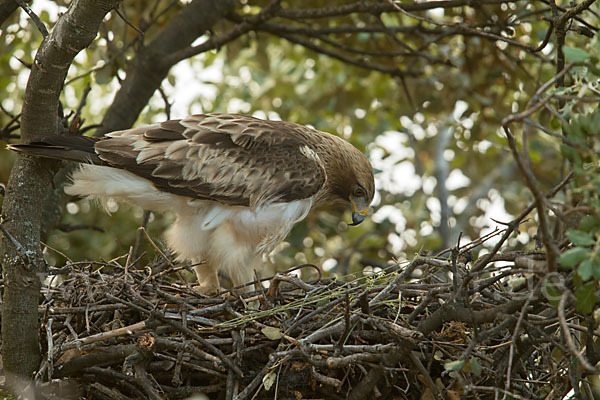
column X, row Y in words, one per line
column 358, row 62
column 215, row 42
column 7, row 7
column 152, row 63
column 36, row 20
column 377, row 8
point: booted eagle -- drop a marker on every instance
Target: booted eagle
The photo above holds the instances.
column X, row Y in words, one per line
column 237, row 184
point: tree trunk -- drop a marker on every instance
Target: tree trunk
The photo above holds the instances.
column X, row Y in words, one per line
column 30, row 183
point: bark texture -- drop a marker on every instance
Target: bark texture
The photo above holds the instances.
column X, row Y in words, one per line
column 31, row 182
column 7, row 8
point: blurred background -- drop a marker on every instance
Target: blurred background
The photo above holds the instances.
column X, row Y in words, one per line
column 421, row 94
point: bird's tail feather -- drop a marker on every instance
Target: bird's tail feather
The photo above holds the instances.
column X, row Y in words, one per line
column 71, row 148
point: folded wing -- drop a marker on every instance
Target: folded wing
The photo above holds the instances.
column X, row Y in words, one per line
column 233, row 159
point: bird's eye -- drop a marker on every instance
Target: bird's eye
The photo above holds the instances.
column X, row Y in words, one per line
column 359, row 192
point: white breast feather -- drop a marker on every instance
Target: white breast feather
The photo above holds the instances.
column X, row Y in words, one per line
column 231, row 237
column 106, row 182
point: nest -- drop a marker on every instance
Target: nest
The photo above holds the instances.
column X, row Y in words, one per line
column 406, row 332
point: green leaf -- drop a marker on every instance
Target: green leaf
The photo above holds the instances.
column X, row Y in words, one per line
column 171, row 79
column 454, row 365
column 595, row 261
column 574, row 256
column 585, row 297
column 568, row 152
column 585, row 269
column 552, row 293
column 595, row 122
column 475, row 367
column 580, row 238
column 104, row 75
column 590, row 223
column 575, row 54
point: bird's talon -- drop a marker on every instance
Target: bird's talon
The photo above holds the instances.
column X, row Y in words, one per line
column 209, row 291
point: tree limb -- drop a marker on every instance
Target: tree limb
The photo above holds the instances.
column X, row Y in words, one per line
column 152, row 63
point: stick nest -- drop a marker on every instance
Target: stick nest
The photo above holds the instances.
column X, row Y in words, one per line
column 405, row 333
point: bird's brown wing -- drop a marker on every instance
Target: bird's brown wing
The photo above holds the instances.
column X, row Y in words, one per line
column 233, row 159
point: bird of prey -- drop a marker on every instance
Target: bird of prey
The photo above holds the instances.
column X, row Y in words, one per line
column 237, row 184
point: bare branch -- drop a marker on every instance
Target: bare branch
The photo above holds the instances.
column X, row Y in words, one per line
column 567, row 334
column 36, row 20
column 217, row 41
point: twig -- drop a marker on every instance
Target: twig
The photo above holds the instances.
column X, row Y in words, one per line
column 567, row 334
column 159, row 315
column 425, row 374
column 347, row 326
column 166, row 101
column 131, row 25
column 540, row 201
column 126, row 330
column 77, row 122
column 50, row 355
column 483, row 261
column 245, row 394
column 226, row 37
column 515, row 335
column 36, row 20
column 336, row 383
column 403, row 275
column 137, row 246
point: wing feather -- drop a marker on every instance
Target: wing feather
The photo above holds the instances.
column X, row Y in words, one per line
column 233, row 159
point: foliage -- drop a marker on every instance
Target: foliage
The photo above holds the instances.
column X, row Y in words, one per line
column 470, row 114
column 581, row 151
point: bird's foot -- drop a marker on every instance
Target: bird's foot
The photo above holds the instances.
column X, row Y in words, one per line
column 210, row 291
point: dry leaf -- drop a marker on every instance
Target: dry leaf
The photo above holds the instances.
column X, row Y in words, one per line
column 269, row 380
column 271, row 332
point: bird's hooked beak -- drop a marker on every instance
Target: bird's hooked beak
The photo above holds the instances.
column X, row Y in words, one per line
column 358, row 215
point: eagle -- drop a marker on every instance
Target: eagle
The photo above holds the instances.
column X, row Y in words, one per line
column 236, row 184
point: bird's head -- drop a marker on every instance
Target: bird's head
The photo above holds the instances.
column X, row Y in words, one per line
column 361, row 188
column 360, row 204
column 349, row 176
column 353, row 183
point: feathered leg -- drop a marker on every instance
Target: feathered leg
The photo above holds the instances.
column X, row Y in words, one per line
column 208, row 279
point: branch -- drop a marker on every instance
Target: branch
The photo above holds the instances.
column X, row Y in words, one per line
column 152, row 63
column 372, row 7
column 482, row 262
column 217, row 41
column 343, row 57
column 36, row 20
column 560, row 27
column 160, row 316
column 567, row 334
column 7, row 7
column 523, row 163
column 126, row 330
